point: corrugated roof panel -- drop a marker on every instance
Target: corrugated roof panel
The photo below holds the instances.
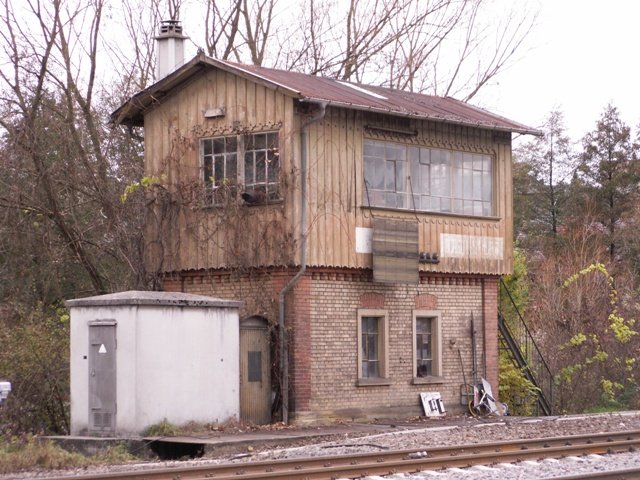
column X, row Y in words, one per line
column 336, row 92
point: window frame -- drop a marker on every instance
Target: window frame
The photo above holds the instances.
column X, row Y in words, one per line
column 436, row 347
column 270, row 183
column 463, row 171
column 383, row 347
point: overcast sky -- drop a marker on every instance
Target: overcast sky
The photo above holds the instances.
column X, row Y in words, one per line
column 584, row 54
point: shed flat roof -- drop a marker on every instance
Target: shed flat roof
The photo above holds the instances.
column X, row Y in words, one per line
column 137, row 297
column 311, row 88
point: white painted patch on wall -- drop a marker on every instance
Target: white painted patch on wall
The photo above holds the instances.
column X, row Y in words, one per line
column 364, row 238
column 471, row 246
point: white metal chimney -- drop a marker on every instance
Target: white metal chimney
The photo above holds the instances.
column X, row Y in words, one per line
column 170, row 48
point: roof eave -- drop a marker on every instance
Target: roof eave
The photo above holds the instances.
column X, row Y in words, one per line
column 522, row 129
column 132, row 112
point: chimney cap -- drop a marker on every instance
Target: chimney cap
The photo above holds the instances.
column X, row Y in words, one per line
column 171, row 28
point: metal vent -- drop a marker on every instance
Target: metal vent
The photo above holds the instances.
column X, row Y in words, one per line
column 168, row 26
column 102, row 421
column 97, row 420
column 395, row 250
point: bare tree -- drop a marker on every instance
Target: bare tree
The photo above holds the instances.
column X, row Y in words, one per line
column 258, row 21
column 444, row 47
column 61, row 170
column 221, row 28
column 135, row 58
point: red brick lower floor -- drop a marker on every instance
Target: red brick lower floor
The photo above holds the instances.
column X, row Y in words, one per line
column 331, row 356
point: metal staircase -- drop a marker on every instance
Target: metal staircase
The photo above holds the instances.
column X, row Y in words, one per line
column 516, row 337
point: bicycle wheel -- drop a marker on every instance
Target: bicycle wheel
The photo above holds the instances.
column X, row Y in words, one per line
column 478, row 411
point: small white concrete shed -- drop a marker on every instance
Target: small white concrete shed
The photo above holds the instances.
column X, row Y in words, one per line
column 138, row 358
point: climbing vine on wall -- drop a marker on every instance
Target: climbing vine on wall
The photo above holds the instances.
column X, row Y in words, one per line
column 185, row 230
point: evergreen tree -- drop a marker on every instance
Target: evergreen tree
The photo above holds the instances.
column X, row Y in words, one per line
column 610, row 176
column 549, row 163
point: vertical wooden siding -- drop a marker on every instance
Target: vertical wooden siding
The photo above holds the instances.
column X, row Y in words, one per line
column 336, row 194
column 200, row 238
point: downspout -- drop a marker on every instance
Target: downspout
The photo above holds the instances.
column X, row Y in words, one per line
column 284, row 349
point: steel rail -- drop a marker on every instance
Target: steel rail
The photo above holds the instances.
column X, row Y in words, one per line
column 389, row 462
column 622, row 474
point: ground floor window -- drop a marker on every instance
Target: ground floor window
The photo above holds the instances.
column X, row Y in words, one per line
column 372, row 344
column 427, row 344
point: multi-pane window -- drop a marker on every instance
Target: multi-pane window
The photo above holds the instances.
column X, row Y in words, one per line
column 220, row 165
column 427, row 179
column 424, row 347
column 262, row 165
column 241, row 163
column 372, row 345
column 427, row 345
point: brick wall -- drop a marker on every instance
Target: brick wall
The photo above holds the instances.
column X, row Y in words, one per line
column 490, row 313
column 334, row 338
column 321, row 317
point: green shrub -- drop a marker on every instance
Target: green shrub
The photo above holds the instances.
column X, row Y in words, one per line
column 516, row 390
column 34, row 357
column 114, row 455
column 161, row 429
column 27, row 453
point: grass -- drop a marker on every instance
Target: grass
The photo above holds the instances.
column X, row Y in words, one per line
column 161, row 429
column 610, row 408
column 28, row 453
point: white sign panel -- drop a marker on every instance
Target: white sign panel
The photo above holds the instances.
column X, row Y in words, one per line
column 364, row 237
column 471, row 246
column 432, row 404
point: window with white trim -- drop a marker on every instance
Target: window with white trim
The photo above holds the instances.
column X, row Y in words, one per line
column 427, row 179
column 372, row 345
column 427, row 359
column 244, row 163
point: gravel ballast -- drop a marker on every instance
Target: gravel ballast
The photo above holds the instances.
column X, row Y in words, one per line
column 424, row 434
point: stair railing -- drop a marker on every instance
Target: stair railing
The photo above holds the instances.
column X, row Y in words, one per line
column 525, row 352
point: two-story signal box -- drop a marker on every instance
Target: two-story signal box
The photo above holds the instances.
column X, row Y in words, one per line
column 365, row 229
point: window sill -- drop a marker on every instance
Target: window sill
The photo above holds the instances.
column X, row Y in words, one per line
column 242, row 203
column 263, row 204
column 373, row 382
column 410, row 211
column 427, row 380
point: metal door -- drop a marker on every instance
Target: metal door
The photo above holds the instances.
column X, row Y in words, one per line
column 102, row 376
column 255, row 371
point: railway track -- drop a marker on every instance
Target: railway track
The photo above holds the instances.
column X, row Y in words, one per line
column 398, row 461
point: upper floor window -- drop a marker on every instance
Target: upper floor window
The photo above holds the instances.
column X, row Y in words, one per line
column 245, row 163
column 427, row 179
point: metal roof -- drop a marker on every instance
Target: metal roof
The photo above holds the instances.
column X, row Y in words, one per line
column 136, row 297
column 311, row 88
